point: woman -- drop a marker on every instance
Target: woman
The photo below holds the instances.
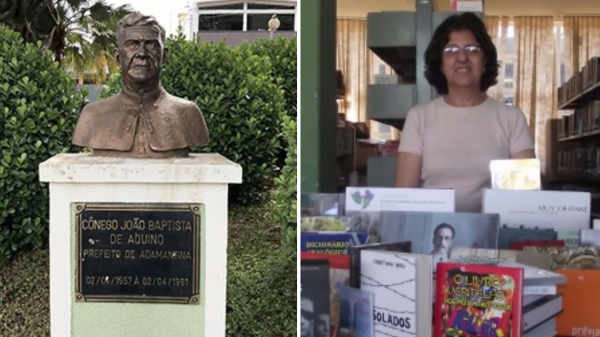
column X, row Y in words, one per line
column 450, row 141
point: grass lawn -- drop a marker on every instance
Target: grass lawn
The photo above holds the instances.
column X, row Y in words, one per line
column 261, row 287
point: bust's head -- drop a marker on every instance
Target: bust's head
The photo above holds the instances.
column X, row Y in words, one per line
column 140, row 50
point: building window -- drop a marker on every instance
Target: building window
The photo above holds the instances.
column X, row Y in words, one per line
column 221, row 22
column 261, row 21
column 509, row 84
column 509, row 70
column 245, row 16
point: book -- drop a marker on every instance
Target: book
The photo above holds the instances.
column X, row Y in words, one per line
column 507, row 235
column 541, row 209
column 478, row 300
column 570, row 257
column 399, row 199
column 518, row 245
column 355, row 251
column 356, row 312
column 314, row 297
column 497, row 256
column 402, row 304
column 346, row 223
column 331, row 242
column 516, row 174
column 339, row 275
column 536, row 313
column 545, row 329
column 322, row 204
column 589, row 237
column 580, row 294
column 435, row 233
column 570, row 236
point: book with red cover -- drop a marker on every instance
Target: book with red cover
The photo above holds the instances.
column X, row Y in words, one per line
column 339, row 274
column 518, row 245
column 478, row 301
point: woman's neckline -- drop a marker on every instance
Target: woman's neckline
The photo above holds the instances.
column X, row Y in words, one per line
column 485, row 99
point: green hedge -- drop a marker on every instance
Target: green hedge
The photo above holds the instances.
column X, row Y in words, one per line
column 241, row 102
column 39, row 106
column 285, row 194
column 282, row 53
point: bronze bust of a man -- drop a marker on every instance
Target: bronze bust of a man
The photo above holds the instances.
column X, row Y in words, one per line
column 142, row 120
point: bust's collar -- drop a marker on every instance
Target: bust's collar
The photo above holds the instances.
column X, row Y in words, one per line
column 147, row 97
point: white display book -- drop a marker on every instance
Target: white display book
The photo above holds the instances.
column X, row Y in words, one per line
column 559, row 210
column 399, row 199
column 402, row 305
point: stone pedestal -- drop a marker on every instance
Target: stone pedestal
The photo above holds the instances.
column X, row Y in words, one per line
column 111, row 275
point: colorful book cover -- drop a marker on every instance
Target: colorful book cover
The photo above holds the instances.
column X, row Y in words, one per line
column 314, row 299
column 436, row 233
column 331, row 243
column 478, row 301
column 570, row 257
column 339, row 275
column 516, row 174
column 580, row 294
column 356, row 312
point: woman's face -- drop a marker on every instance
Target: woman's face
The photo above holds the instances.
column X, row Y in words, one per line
column 463, row 61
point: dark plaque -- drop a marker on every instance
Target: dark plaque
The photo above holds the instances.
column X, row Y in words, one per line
column 130, row 252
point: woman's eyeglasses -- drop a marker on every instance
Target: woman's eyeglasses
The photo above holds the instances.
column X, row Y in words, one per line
column 468, row 49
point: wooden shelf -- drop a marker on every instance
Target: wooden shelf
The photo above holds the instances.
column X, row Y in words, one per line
column 581, row 175
column 583, row 136
column 582, row 99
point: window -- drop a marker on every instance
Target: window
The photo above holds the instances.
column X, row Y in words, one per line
column 509, row 84
column 509, row 70
column 510, row 39
column 246, row 16
column 221, row 7
column 221, row 22
column 261, row 21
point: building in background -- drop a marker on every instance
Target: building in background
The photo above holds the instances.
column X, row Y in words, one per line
column 238, row 21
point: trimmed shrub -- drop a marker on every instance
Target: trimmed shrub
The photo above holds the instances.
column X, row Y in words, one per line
column 285, row 195
column 242, row 105
column 283, row 55
column 39, row 106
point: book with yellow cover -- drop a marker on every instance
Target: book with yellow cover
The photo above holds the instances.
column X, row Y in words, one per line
column 516, row 174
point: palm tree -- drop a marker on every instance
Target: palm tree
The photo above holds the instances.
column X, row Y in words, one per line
column 80, row 33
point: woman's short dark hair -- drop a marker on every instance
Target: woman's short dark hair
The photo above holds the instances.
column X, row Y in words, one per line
column 441, row 36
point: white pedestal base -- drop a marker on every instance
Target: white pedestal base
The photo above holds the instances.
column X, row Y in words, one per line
column 200, row 178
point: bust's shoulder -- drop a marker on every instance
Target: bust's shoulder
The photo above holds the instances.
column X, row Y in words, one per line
column 102, row 106
column 180, row 104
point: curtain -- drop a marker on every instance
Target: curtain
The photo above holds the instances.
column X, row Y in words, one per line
column 358, row 65
column 497, row 29
column 581, row 42
column 536, row 80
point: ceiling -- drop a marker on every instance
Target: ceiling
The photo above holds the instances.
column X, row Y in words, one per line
column 360, row 8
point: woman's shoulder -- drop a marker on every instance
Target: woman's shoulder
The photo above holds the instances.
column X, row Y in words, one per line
column 426, row 107
column 503, row 109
